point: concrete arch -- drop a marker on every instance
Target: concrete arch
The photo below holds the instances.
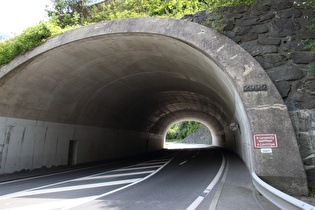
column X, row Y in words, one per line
column 115, row 86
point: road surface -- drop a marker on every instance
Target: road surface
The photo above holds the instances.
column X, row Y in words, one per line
column 206, row 178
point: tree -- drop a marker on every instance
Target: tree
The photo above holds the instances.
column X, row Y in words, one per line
column 182, row 129
column 68, row 12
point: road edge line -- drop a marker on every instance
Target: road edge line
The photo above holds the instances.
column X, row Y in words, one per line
column 217, row 194
column 196, row 203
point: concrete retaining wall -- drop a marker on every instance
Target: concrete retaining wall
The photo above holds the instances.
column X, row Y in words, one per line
column 46, row 144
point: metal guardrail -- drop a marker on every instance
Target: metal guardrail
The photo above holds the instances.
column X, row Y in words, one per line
column 280, row 199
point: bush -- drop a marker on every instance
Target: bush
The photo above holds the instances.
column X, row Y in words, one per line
column 70, row 14
column 31, row 37
column 27, row 40
column 182, row 130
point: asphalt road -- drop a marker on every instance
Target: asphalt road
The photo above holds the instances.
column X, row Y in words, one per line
column 207, row 178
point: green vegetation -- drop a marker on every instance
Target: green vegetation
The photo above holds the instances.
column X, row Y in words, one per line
column 309, row 44
column 30, row 38
column 70, row 14
column 180, row 130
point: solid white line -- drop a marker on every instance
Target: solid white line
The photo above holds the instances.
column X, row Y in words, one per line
column 196, row 203
column 210, row 186
column 77, row 187
column 146, row 163
column 116, row 190
column 158, row 160
column 11, row 195
column 137, row 168
column 114, row 175
column 70, row 203
column 217, row 194
column 219, row 174
column 51, row 174
column 183, row 162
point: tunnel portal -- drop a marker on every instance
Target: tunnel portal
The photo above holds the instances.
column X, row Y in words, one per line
column 112, row 90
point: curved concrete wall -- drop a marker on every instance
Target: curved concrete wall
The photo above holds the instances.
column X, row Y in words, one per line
column 115, row 87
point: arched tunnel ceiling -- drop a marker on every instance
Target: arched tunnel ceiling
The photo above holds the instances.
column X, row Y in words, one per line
column 134, row 81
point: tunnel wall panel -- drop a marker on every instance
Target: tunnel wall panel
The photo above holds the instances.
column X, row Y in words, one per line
column 29, row 144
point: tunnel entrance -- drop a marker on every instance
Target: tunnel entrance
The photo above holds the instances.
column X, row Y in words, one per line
column 116, row 86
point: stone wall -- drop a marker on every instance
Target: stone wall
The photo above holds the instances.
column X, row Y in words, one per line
column 201, row 136
column 304, row 124
column 271, row 31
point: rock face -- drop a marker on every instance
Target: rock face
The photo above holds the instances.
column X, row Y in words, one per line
column 201, row 136
column 272, row 31
column 304, row 124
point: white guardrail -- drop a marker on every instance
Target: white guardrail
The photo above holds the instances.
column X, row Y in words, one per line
column 280, row 199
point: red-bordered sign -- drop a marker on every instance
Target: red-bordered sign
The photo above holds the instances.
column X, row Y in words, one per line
column 265, row 141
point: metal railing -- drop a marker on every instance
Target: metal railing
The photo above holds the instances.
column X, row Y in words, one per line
column 280, row 199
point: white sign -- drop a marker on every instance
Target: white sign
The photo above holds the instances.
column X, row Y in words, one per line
column 266, row 150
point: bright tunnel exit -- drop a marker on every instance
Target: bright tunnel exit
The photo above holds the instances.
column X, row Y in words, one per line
column 187, row 134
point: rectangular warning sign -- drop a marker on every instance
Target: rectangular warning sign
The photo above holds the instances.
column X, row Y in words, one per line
column 265, row 141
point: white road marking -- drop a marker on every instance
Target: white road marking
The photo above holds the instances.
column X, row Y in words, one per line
column 217, row 194
column 183, row 162
column 116, row 190
column 158, row 160
column 146, row 163
column 51, row 174
column 77, row 187
column 196, row 203
column 11, row 195
column 70, row 203
column 114, row 175
column 137, row 168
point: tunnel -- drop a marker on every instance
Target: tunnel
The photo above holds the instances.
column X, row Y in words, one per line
column 112, row 90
